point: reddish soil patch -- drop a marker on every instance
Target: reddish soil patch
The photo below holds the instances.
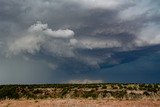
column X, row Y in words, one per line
column 78, row 103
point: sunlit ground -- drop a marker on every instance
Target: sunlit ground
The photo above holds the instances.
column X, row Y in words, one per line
column 78, row 103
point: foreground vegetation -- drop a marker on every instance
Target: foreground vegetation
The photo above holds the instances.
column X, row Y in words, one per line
column 89, row 91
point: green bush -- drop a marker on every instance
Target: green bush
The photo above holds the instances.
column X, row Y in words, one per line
column 104, row 87
column 119, row 94
column 64, row 92
column 146, row 93
column 9, row 92
column 37, row 91
column 135, row 96
column 90, row 94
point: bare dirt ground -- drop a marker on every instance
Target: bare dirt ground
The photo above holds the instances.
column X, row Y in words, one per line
column 78, row 103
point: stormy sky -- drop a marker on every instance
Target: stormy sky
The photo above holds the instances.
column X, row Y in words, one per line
column 67, row 41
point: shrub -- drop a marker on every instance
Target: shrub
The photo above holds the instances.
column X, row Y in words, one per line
column 104, row 87
column 135, row 96
column 91, row 94
column 37, row 91
column 146, row 93
column 9, row 92
column 64, row 92
column 119, row 94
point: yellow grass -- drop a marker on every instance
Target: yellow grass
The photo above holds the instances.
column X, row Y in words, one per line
column 77, row 103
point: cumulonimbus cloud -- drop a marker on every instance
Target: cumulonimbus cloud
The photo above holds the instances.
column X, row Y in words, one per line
column 81, row 35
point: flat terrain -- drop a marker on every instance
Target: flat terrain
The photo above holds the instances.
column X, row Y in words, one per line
column 78, row 103
column 80, row 95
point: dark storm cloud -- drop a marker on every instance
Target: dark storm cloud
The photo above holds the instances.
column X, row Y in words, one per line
column 77, row 37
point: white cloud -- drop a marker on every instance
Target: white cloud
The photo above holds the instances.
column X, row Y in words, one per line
column 60, row 48
column 38, row 27
column 44, row 30
column 38, row 36
column 85, row 81
column 29, row 43
column 149, row 35
column 103, row 4
column 60, row 33
column 138, row 9
column 96, row 43
column 73, row 41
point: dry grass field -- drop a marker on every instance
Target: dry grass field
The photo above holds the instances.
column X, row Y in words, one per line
column 78, row 103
